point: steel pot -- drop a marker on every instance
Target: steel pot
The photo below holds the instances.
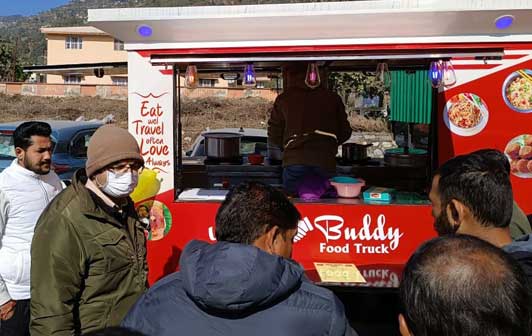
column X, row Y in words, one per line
column 222, row 145
column 352, row 152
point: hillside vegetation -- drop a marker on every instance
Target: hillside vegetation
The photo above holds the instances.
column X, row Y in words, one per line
column 23, row 33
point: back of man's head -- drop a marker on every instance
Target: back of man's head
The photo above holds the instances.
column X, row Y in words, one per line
column 494, row 155
column 481, row 182
column 460, row 286
column 250, row 210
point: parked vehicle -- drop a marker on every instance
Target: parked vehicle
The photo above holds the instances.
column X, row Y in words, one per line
column 252, row 141
column 70, row 139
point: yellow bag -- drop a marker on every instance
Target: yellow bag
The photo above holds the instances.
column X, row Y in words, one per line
column 147, row 187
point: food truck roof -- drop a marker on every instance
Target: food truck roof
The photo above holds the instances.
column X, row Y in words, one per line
column 324, row 23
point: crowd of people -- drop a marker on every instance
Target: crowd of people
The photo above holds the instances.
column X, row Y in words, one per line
column 73, row 261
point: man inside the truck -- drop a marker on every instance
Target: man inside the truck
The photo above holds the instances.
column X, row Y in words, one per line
column 245, row 283
column 308, row 124
column 472, row 194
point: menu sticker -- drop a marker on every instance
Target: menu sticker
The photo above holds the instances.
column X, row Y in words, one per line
column 336, row 272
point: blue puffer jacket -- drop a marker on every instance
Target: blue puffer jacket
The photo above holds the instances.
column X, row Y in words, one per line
column 235, row 289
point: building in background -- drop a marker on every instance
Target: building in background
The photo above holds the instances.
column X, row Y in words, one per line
column 70, row 46
column 76, row 54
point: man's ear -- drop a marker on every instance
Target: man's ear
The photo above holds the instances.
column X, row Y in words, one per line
column 456, row 212
column 19, row 152
column 270, row 237
column 403, row 327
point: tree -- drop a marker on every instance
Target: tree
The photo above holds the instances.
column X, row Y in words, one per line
column 10, row 68
column 345, row 83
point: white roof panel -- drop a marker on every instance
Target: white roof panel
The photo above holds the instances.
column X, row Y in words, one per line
column 296, row 24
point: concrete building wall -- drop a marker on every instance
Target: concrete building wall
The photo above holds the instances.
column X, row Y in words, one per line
column 95, row 48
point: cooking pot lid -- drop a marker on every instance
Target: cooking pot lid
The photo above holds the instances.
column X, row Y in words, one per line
column 401, row 151
column 222, row 135
column 347, row 144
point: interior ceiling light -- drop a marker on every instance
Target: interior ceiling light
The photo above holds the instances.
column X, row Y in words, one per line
column 504, row 22
column 144, row 31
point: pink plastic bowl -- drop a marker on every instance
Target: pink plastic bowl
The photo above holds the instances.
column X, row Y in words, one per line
column 348, row 190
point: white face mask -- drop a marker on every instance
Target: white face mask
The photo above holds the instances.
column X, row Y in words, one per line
column 120, row 185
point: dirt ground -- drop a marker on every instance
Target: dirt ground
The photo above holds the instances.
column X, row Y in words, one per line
column 198, row 114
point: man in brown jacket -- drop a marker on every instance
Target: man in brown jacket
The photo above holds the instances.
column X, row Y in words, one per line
column 89, row 249
column 308, row 125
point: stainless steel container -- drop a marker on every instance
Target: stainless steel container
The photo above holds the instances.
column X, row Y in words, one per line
column 352, row 152
column 224, row 146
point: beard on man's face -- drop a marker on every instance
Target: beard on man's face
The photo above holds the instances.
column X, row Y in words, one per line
column 443, row 226
column 39, row 167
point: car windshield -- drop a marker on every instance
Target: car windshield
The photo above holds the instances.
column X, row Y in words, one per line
column 248, row 145
column 253, row 145
column 7, row 148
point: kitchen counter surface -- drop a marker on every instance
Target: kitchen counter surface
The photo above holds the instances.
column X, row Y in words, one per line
column 218, row 195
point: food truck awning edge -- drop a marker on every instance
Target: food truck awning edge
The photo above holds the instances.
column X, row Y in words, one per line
column 361, row 22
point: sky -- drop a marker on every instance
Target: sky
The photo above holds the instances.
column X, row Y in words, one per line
column 28, row 7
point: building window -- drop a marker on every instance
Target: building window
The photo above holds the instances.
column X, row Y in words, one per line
column 261, row 85
column 119, row 81
column 119, row 45
column 207, row 82
column 72, row 79
column 73, row 42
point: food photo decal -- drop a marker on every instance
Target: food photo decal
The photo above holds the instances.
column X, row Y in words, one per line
column 519, row 153
column 517, row 91
column 466, row 114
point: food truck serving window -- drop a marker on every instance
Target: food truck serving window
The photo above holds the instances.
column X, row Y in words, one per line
column 398, row 157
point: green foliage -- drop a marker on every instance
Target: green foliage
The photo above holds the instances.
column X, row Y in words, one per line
column 10, row 68
column 345, row 83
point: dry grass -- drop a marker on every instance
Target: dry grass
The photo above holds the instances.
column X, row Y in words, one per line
column 214, row 112
column 363, row 124
column 198, row 114
column 18, row 107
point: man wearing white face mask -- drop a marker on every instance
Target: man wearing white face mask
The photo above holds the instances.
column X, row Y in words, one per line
column 89, row 248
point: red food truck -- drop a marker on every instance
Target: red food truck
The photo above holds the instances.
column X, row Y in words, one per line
column 488, row 104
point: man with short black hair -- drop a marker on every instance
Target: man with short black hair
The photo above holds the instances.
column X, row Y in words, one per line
column 26, row 188
column 519, row 224
column 245, row 284
column 472, row 194
column 463, row 286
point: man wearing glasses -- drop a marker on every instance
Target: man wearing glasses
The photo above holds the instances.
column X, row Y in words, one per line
column 88, row 252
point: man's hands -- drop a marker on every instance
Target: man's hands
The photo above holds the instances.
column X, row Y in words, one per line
column 7, row 310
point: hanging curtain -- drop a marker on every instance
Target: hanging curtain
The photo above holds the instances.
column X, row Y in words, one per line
column 411, row 97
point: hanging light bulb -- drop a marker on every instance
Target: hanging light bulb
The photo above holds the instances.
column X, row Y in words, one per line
column 250, row 80
column 191, row 77
column 312, row 79
column 383, row 74
column 449, row 76
column 436, row 74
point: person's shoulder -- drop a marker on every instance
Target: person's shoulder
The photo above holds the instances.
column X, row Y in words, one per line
column 7, row 178
column 317, row 292
column 61, row 207
column 331, row 94
column 315, row 297
column 163, row 292
column 52, row 178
